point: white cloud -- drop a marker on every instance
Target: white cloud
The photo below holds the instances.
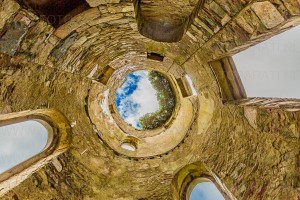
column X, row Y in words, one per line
column 145, row 96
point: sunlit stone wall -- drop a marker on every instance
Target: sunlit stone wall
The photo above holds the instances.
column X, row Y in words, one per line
column 43, row 67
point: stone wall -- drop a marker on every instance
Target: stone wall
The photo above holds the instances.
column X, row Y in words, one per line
column 43, row 67
column 59, row 139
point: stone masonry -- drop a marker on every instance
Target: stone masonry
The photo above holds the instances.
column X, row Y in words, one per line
column 251, row 145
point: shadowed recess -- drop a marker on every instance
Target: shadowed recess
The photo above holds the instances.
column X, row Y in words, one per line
column 165, row 21
column 54, row 11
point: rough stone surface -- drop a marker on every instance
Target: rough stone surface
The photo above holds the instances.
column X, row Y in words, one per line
column 10, row 41
column 268, row 14
column 169, row 26
column 56, row 68
column 76, row 22
column 8, row 8
column 251, row 115
column 95, row 3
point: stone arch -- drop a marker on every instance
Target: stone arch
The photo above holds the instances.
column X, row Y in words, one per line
column 192, row 174
column 59, row 139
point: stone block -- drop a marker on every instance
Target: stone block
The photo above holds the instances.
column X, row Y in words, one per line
column 106, row 19
column 95, row 3
column 268, row 14
column 61, row 49
column 7, row 10
column 76, row 22
column 242, row 22
column 292, row 6
column 251, row 115
column 11, row 40
column 57, row 164
column 118, row 9
column 217, row 9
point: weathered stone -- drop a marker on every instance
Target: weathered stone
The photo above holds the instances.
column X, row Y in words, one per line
column 217, row 9
column 105, row 19
column 8, row 8
column 293, row 6
column 117, row 9
column 268, row 14
column 76, row 22
column 203, row 25
column 64, row 45
column 42, row 55
column 251, row 115
column 251, row 145
column 10, row 41
column 169, row 27
column 245, row 25
column 191, row 36
column 35, row 39
column 225, row 19
column 95, row 3
column 57, row 164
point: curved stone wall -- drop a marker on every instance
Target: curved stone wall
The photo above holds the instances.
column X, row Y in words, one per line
column 113, row 130
column 62, row 68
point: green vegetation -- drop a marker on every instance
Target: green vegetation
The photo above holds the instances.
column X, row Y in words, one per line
column 166, row 100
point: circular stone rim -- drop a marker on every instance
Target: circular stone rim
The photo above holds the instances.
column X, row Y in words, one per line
column 151, row 146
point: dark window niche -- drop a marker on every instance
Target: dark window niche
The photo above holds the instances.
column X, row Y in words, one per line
column 155, row 56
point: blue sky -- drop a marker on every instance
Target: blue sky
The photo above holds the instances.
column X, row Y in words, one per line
column 20, row 141
column 136, row 97
column 206, row 191
column 272, row 68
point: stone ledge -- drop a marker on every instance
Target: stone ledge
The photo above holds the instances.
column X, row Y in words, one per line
column 95, row 3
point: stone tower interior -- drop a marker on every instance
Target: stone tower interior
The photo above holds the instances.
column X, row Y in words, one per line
column 61, row 62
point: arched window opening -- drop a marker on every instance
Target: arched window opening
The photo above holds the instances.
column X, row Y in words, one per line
column 128, row 146
column 271, row 68
column 21, row 141
column 28, row 141
column 231, row 87
column 196, row 182
column 205, row 190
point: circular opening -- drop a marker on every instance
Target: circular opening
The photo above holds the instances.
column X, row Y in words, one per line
column 145, row 100
column 128, row 146
column 206, row 190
